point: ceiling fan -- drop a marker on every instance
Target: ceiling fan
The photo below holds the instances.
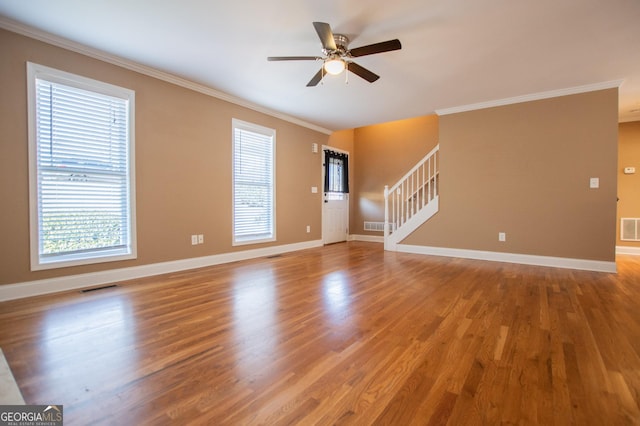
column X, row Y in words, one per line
column 337, row 55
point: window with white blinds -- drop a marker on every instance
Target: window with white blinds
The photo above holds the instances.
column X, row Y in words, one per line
column 81, row 170
column 253, row 183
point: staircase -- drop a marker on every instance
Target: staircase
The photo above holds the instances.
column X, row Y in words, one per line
column 412, row 201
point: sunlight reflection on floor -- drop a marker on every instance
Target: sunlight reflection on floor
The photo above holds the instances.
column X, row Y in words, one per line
column 79, row 336
column 336, row 296
column 255, row 306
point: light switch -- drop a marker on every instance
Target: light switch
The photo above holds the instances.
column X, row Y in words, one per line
column 314, row 189
column 594, row 183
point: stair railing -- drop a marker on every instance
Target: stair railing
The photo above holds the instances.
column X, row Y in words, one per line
column 411, row 194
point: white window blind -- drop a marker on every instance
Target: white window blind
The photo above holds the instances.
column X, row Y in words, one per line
column 83, row 171
column 253, row 183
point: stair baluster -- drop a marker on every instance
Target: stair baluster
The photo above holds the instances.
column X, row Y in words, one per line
column 412, row 200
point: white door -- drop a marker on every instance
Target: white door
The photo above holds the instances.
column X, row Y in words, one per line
column 335, row 218
column 335, row 207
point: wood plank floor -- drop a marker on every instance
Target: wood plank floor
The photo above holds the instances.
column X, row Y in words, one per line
column 344, row 334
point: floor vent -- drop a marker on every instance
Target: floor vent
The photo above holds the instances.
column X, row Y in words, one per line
column 104, row 287
column 630, row 229
column 273, row 256
column 374, row 226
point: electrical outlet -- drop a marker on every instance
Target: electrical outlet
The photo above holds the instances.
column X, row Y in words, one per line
column 308, row 229
column 194, row 240
column 200, row 239
column 594, row 183
column 502, row 236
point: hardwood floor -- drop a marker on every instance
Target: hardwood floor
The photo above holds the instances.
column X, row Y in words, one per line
column 344, row 334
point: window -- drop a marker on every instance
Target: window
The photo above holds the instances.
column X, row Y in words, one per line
column 336, row 175
column 253, row 183
column 81, row 170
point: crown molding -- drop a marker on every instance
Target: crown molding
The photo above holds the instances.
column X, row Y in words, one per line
column 73, row 46
column 531, row 97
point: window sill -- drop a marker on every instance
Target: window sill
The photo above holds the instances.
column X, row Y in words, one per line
column 38, row 264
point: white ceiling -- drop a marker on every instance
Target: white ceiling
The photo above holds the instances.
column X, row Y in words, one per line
column 454, row 52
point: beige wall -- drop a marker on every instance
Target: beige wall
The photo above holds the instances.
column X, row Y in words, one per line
column 343, row 140
column 628, row 185
column 183, row 165
column 383, row 154
column 521, row 169
column 524, row 169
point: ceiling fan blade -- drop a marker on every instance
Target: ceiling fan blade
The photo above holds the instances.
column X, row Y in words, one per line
column 326, row 35
column 385, row 46
column 294, row 58
column 362, row 72
column 316, row 78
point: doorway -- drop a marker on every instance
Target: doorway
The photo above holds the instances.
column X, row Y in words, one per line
column 335, row 206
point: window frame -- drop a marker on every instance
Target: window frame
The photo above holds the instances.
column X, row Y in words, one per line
column 38, row 262
column 343, row 157
column 265, row 131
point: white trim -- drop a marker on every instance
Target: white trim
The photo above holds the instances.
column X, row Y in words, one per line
column 9, row 391
column 531, row 97
column 43, row 36
column 74, row 282
column 367, row 238
column 334, row 149
column 629, row 119
column 35, row 72
column 237, row 124
column 634, row 251
column 322, row 198
column 525, row 259
column 414, row 222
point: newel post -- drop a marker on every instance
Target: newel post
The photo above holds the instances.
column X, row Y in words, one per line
column 386, row 215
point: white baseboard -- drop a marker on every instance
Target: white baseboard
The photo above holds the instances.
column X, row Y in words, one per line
column 367, row 238
column 635, row 251
column 73, row 282
column 525, row 259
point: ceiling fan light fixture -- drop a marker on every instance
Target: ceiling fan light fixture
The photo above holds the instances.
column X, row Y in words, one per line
column 336, row 55
column 334, row 66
